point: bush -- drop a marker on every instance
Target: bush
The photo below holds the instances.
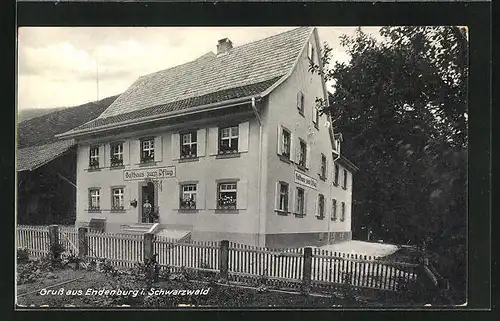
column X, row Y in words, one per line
column 22, row 255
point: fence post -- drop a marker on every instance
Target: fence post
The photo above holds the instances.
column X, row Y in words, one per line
column 54, row 241
column 224, row 259
column 148, row 246
column 307, row 269
column 82, row 242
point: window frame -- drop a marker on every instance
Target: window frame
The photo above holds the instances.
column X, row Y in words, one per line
column 114, row 207
column 342, row 211
column 302, row 154
column 286, row 197
column 151, row 157
column 300, row 102
column 286, row 154
column 192, row 154
column 94, row 159
column 191, row 206
column 310, row 52
column 344, row 182
column 323, row 166
column 219, row 195
column 333, row 217
column 321, row 206
column 336, row 170
column 116, row 161
column 91, row 207
column 300, row 211
column 231, row 149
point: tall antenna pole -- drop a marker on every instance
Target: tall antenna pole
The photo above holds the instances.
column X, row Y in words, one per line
column 97, row 75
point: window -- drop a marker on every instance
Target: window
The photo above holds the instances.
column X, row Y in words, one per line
column 310, row 52
column 302, row 154
column 94, row 157
column 344, row 183
column 228, row 141
column 286, row 143
column 299, row 205
column 334, row 210
column 316, row 117
column 342, row 211
column 283, row 197
column 94, row 199
column 188, row 197
column 300, row 102
column 323, row 167
column 147, row 150
column 188, row 145
column 117, row 203
column 227, row 194
column 321, row 206
column 336, row 175
column 116, row 154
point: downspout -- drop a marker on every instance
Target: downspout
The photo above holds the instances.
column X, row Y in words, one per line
column 331, row 185
column 259, row 179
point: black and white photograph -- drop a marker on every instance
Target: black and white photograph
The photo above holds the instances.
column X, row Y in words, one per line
column 241, row 167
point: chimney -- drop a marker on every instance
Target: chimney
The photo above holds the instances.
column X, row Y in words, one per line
column 224, row 46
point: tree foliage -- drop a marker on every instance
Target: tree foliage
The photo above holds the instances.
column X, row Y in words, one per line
column 401, row 105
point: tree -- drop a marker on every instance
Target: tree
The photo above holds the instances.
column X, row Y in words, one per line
column 401, row 104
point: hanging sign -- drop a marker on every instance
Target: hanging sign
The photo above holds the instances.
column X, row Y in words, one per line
column 305, row 180
column 151, row 173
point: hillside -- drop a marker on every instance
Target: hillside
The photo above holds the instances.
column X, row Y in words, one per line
column 26, row 114
column 42, row 129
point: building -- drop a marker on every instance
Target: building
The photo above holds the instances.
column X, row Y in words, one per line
column 46, row 166
column 228, row 146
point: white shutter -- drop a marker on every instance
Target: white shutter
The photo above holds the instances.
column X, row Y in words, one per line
column 126, row 153
column 316, row 205
column 176, row 148
column 308, row 156
column 306, row 196
column 102, row 156
column 213, row 140
column 211, row 195
column 291, row 199
column 293, row 148
column 200, row 196
column 243, row 137
column 135, row 151
column 158, row 149
column 107, row 155
column 241, row 195
column 175, row 197
column 201, row 142
column 126, row 197
column 277, row 196
column 84, row 157
column 279, row 141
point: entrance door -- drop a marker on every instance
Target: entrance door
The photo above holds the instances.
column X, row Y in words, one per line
column 148, row 196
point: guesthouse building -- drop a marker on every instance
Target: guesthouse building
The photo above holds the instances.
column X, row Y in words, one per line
column 228, row 146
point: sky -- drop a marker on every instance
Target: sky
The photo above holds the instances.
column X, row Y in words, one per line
column 58, row 66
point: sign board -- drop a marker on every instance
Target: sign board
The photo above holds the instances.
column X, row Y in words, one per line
column 305, row 180
column 151, row 173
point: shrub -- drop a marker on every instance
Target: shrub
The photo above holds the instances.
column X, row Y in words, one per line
column 22, row 255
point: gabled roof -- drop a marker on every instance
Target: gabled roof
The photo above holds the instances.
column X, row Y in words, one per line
column 248, row 70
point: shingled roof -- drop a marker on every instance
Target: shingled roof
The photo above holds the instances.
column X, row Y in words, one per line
column 243, row 71
column 37, row 143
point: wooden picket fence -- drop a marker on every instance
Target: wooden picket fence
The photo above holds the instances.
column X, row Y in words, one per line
column 290, row 268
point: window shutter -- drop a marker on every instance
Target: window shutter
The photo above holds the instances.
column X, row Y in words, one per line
column 105, row 198
column 316, row 205
column 320, row 162
column 126, row 198
column 126, row 153
column 299, row 101
column 306, row 196
column 175, row 199
column 213, row 140
column 200, row 196
column 308, row 156
column 176, row 148
column 211, row 196
column 277, row 196
column 244, row 133
column 291, row 200
column 107, row 155
column 314, row 114
column 293, row 146
column 279, row 141
column 241, row 195
column 102, row 156
column 84, row 158
column 158, row 149
column 135, row 151
column 201, row 142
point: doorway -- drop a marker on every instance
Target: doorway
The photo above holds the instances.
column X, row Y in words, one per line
column 148, row 196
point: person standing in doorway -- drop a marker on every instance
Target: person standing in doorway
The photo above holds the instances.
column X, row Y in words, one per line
column 146, row 210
